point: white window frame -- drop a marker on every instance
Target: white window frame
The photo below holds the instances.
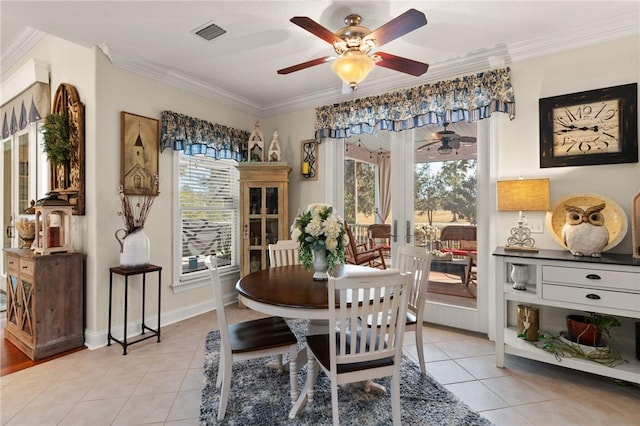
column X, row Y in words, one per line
column 184, row 282
column 36, row 188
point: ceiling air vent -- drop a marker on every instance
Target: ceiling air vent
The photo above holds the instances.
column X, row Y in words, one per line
column 209, row 31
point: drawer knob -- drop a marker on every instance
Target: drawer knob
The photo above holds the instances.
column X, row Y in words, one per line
column 593, row 296
column 593, row 277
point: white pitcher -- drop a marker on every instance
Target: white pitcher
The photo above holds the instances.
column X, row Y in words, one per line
column 134, row 248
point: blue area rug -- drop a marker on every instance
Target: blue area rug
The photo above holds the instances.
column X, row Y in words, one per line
column 260, row 396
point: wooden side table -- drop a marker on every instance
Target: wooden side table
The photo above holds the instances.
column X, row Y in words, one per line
column 126, row 273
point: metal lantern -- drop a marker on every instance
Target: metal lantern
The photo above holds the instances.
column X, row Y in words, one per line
column 53, row 225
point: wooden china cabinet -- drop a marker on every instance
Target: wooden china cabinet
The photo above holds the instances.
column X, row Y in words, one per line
column 45, row 302
column 264, row 211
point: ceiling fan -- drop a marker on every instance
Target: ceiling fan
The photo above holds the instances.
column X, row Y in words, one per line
column 354, row 44
column 448, row 139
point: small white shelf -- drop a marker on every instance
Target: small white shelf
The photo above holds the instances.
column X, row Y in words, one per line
column 557, row 269
column 629, row 371
column 526, row 296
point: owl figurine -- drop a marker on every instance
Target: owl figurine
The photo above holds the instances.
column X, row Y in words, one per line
column 584, row 232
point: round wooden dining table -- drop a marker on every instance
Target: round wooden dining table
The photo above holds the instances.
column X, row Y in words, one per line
column 288, row 291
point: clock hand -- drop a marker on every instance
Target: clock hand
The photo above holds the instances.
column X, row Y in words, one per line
column 572, row 128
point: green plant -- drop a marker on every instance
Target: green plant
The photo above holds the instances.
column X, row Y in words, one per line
column 606, row 354
column 57, row 144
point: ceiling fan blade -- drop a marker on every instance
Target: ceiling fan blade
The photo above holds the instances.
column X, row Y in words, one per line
column 316, row 29
column 398, row 63
column 398, row 26
column 305, row 65
column 467, row 139
column 421, row 147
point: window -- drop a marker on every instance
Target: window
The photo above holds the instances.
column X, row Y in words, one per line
column 359, row 198
column 208, row 210
column 21, row 172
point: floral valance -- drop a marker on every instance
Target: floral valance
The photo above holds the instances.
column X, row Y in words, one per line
column 468, row 98
column 196, row 136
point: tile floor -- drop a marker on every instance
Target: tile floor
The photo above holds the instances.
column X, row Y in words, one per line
column 160, row 383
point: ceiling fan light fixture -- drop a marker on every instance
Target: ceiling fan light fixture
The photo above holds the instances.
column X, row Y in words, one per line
column 353, row 67
column 445, row 150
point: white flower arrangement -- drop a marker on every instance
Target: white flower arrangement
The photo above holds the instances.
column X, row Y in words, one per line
column 320, row 227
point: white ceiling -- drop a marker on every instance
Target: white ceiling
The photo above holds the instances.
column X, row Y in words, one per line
column 155, row 38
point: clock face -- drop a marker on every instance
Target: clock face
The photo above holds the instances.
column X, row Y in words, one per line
column 586, row 128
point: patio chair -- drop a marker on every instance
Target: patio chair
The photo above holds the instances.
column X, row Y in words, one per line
column 352, row 354
column 283, row 253
column 249, row 340
column 358, row 254
column 461, row 242
column 380, row 235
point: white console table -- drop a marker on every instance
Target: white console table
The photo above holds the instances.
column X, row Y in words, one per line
column 560, row 284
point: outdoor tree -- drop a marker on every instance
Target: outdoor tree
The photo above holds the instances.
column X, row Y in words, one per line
column 457, row 198
column 470, row 195
column 429, row 190
column 359, row 188
column 349, row 191
column 366, row 179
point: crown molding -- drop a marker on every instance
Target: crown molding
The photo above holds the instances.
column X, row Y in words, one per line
column 608, row 29
column 19, row 47
column 125, row 60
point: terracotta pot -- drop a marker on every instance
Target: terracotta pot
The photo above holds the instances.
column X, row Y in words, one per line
column 582, row 331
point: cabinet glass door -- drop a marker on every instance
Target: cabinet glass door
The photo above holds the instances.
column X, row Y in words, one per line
column 272, row 201
column 26, row 308
column 12, row 297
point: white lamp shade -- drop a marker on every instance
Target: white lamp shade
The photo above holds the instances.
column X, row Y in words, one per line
column 353, row 67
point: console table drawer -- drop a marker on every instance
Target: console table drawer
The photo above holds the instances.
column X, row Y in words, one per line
column 27, row 267
column 13, row 264
column 618, row 280
column 591, row 297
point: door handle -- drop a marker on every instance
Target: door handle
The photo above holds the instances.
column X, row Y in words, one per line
column 395, row 231
column 408, row 234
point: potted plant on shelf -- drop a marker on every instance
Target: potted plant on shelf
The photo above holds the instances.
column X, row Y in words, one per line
column 57, row 144
column 590, row 329
column 588, row 337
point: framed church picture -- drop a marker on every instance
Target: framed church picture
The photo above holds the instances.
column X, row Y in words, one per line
column 139, row 154
column 590, row 128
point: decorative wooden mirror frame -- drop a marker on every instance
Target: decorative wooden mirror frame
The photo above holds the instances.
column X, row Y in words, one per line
column 68, row 179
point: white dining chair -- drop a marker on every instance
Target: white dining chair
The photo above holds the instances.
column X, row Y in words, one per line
column 249, row 340
column 283, row 253
column 417, row 263
column 354, row 354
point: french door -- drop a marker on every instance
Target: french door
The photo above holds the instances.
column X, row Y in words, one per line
column 403, row 162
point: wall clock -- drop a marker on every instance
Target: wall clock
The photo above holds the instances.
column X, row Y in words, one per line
column 589, row 128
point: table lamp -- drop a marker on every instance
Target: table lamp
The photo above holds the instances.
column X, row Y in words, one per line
column 522, row 195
